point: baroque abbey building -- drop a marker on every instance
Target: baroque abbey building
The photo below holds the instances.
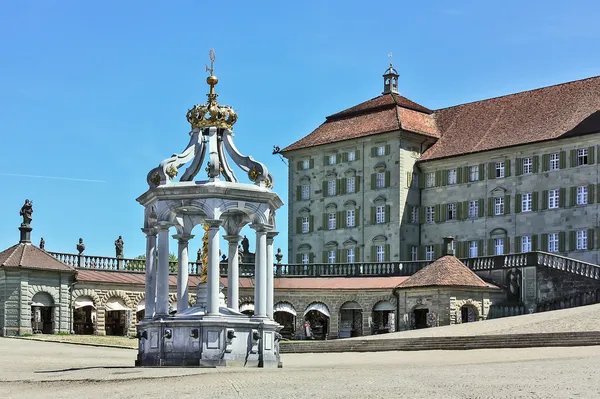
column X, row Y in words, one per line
column 388, row 179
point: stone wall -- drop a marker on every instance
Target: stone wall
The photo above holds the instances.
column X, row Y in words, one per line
column 555, row 284
column 2, row 302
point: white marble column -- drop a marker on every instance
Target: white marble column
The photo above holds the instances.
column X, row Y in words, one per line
column 233, row 272
column 270, row 278
column 213, row 266
column 260, row 273
column 182, row 271
column 150, row 295
column 162, row 275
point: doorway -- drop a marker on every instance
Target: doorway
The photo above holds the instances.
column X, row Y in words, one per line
column 421, row 318
column 467, row 314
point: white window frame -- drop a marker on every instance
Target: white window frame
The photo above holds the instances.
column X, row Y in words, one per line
column 554, row 161
column 331, row 256
column 451, row 176
column 451, row 211
column 304, row 259
column 414, row 215
column 473, row 249
column 581, row 240
column 350, row 255
column 380, row 214
column 306, row 164
column 473, row 209
column 350, row 218
column 430, row 179
column 380, row 150
column 332, row 159
column 499, row 246
column 553, row 239
column 331, row 221
column 474, row 173
column 350, row 184
column 498, row 206
column 582, row 156
column 553, row 199
column 499, row 170
column 305, row 192
column 351, row 156
column 527, row 166
column 380, row 253
column 429, row 252
column 526, row 244
column 582, row 195
column 414, row 253
column 527, row 202
column 429, row 214
column 331, row 187
column 380, row 180
column 305, row 224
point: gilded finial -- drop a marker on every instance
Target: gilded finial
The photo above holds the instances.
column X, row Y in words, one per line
column 211, row 114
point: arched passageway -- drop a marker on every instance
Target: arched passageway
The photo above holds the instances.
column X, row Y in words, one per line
column 285, row 314
column 383, row 318
column 84, row 315
column 316, row 321
column 350, row 320
column 42, row 313
column 116, row 319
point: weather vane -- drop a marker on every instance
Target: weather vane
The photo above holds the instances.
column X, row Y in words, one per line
column 211, row 55
column 390, row 55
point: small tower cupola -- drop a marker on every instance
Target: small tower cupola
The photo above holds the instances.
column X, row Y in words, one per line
column 390, row 79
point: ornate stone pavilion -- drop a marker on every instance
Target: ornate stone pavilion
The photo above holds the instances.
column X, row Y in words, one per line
column 211, row 333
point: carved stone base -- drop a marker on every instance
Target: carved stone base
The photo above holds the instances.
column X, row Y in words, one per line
column 230, row 339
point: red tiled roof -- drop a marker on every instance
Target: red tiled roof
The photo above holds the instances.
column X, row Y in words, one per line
column 564, row 110
column 306, row 283
column 30, row 257
column 446, row 271
column 386, row 113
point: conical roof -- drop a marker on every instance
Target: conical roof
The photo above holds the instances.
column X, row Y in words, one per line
column 447, row 271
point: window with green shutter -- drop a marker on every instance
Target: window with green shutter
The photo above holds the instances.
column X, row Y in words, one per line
column 388, row 149
column 536, row 164
column 490, row 206
column 388, row 213
column 518, row 167
column 491, row 170
column 373, row 181
column 590, row 239
column 573, row 158
column 507, row 168
column 517, row 244
column 562, row 194
column 490, row 247
column 561, row 241
column 518, row 199
column 506, row 245
column 562, row 160
column 573, row 196
column 544, row 242
column 387, row 178
column 591, row 193
column 545, row 162
column 544, row 199
column 480, row 207
column 481, row 170
column 506, row 205
column 298, row 225
column 572, row 240
column 535, row 201
column 459, row 175
column 372, row 215
column 438, row 178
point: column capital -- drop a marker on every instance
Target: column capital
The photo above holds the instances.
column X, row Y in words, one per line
column 183, row 237
column 213, row 223
column 261, row 228
column 271, row 235
column 232, row 238
column 162, row 226
column 149, row 231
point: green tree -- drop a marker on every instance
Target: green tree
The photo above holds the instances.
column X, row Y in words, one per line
column 140, row 262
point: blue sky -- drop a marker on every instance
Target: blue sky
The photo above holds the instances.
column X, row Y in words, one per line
column 96, row 93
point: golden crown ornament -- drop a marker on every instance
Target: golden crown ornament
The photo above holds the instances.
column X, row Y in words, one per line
column 211, row 114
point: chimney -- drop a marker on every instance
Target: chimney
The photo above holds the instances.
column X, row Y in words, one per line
column 448, row 248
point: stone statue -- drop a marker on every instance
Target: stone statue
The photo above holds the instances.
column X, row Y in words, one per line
column 199, row 255
column 119, row 247
column 42, row 243
column 240, row 254
column 80, row 246
column 26, row 211
column 513, row 284
column 246, row 245
column 279, row 256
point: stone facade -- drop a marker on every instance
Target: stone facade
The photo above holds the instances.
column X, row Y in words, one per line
column 17, row 290
column 382, row 169
column 523, row 225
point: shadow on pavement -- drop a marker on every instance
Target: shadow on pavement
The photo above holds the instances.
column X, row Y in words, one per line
column 84, row 368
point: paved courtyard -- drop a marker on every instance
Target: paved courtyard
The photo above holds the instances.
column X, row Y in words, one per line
column 52, row 370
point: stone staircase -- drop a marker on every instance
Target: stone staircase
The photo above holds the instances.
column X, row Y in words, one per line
column 537, row 340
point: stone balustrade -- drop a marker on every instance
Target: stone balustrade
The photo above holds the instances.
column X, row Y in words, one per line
column 382, row 269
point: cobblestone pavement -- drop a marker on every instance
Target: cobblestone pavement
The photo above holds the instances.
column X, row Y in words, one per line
column 51, row 370
column 582, row 318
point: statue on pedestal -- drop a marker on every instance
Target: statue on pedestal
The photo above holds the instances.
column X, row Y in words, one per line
column 42, row 243
column 80, row 246
column 119, row 248
column 240, row 254
column 279, row 256
column 26, row 211
column 246, row 245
